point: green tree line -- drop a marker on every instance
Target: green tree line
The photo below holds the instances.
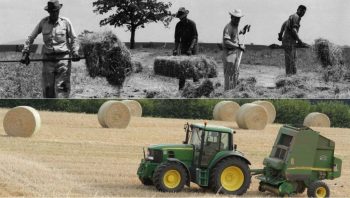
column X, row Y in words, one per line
column 289, row 111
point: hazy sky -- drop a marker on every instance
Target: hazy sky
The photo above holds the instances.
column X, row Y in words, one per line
column 328, row 19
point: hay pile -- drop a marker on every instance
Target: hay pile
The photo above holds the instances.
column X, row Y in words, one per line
column 198, row 89
column 226, row 111
column 316, row 119
column 176, row 66
column 252, row 116
column 270, row 109
column 106, row 56
column 293, row 86
column 22, row 121
column 114, row 114
column 328, row 53
column 134, row 107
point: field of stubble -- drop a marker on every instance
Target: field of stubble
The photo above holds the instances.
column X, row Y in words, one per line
column 73, row 156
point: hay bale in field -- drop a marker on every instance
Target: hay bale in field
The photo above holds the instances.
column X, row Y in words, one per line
column 328, row 53
column 22, row 121
column 176, row 66
column 134, row 107
column 197, row 90
column 106, row 56
column 114, row 114
column 136, row 66
column 270, row 109
column 316, row 119
column 252, row 116
column 226, row 111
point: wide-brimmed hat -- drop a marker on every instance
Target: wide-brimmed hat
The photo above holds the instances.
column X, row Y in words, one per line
column 182, row 12
column 53, row 5
column 236, row 13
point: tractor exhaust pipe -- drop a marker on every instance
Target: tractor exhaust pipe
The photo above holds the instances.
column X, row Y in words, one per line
column 266, row 187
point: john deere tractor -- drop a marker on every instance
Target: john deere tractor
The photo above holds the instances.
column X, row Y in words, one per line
column 207, row 157
column 300, row 158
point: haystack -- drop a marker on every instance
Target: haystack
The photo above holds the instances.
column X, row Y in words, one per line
column 134, row 107
column 198, row 89
column 114, row 114
column 106, row 56
column 226, row 111
column 22, row 121
column 328, row 53
column 175, row 66
column 252, row 116
column 316, row 119
column 270, row 109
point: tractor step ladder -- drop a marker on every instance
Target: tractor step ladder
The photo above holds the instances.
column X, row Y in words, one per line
column 202, row 176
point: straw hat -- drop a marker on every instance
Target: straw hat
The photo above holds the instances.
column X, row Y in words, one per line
column 53, row 5
column 236, row 13
column 182, row 12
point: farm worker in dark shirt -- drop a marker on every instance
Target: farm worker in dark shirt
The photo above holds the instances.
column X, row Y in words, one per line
column 60, row 41
column 186, row 37
column 231, row 50
column 290, row 38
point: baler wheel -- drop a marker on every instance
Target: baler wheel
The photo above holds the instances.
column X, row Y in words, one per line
column 318, row 189
column 231, row 176
column 170, row 177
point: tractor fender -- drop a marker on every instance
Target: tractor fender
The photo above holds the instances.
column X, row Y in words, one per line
column 225, row 154
column 186, row 168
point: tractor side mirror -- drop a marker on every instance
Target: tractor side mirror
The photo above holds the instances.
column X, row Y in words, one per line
column 235, row 147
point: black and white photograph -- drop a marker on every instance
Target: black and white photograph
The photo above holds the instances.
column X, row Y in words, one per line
column 175, row 49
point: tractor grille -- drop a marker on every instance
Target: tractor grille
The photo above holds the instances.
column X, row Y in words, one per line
column 157, row 155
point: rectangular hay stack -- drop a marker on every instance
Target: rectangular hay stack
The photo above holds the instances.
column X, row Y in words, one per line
column 174, row 66
column 106, row 56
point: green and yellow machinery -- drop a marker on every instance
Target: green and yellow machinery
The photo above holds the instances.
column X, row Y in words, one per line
column 207, row 157
column 300, row 158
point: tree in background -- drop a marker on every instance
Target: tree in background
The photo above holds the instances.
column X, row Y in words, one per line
column 133, row 14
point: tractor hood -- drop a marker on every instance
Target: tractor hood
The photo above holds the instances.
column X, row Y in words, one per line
column 162, row 152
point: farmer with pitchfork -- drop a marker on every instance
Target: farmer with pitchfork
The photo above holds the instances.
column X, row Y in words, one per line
column 60, row 41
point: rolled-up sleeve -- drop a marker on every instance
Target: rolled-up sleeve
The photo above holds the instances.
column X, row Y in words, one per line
column 29, row 41
column 72, row 36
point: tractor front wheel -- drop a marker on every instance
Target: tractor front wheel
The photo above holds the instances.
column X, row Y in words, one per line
column 170, row 177
column 231, row 176
column 318, row 189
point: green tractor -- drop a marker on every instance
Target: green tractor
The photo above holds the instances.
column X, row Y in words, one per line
column 300, row 158
column 207, row 157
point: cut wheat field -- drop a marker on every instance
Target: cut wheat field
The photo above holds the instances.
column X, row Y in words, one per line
column 73, row 156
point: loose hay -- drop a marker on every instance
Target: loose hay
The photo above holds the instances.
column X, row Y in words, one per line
column 270, row 109
column 22, row 121
column 316, row 119
column 328, row 53
column 252, row 116
column 114, row 114
column 176, row 66
column 106, row 56
column 226, row 111
column 134, row 107
column 197, row 90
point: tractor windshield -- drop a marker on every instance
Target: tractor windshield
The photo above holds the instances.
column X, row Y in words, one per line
column 196, row 137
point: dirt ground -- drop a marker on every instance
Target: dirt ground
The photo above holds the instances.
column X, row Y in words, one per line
column 73, row 156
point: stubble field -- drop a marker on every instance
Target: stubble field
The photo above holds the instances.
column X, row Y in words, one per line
column 266, row 66
column 73, row 156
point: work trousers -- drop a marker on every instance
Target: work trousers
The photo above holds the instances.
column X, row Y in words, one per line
column 290, row 54
column 56, row 76
column 184, row 73
column 231, row 70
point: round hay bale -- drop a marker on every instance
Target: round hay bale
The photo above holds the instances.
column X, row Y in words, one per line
column 270, row 109
column 316, row 119
column 252, row 116
column 22, row 121
column 114, row 114
column 135, row 107
column 225, row 111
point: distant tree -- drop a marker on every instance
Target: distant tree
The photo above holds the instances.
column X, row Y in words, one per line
column 133, row 13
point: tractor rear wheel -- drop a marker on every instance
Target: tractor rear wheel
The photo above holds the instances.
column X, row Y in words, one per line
column 146, row 181
column 170, row 177
column 318, row 189
column 231, row 176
